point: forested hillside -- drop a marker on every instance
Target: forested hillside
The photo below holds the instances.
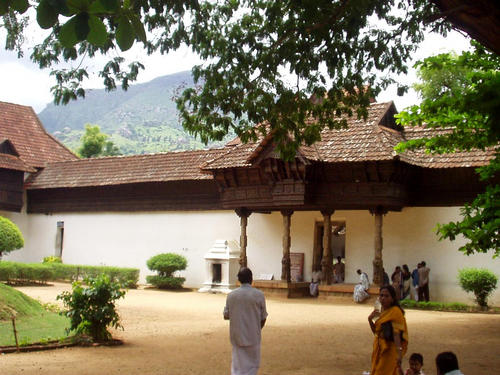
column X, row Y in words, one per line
column 142, row 119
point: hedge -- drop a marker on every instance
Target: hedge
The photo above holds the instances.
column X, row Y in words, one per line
column 14, row 272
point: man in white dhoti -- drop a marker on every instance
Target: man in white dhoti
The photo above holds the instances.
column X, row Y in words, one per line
column 361, row 289
column 246, row 311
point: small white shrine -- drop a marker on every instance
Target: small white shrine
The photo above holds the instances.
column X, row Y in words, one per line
column 222, row 266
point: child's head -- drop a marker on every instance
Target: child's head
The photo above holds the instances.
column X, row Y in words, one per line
column 416, row 362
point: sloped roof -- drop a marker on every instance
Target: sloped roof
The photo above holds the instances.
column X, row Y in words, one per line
column 21, row 126
column 15, row 163
column 459, row 159
column 372, row 139
column 118, row 170
column 362, row 140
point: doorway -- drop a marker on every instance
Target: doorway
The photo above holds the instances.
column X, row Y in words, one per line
column 337, row 244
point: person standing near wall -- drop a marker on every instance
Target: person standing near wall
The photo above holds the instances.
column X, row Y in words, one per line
column 423, row 282
column 246, row 311
column 414, row 282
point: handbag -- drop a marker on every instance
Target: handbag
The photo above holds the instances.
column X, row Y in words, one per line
column 387, row 331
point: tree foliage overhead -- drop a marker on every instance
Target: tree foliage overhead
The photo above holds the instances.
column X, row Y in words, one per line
column 265, row 60
column 95, row 143
column 460, row 98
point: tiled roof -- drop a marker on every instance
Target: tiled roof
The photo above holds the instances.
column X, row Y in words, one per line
column 21, row 126
column 362, row 140
column 15, row 163
column 117, row 170
column 473, row 158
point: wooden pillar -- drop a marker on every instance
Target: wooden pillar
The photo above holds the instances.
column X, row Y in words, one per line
column 327, row 261
column 243, row 213
column 378, row 264
column 285, row 261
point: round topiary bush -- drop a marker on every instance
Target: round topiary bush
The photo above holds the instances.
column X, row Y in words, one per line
column 481, row 282
column 11, row 237
column 166, row 264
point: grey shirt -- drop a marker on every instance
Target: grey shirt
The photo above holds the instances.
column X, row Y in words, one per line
column 246, row 309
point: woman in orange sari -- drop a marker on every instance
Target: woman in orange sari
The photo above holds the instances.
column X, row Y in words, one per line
column 391, row 334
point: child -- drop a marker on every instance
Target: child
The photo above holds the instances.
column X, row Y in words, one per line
column 416, row 362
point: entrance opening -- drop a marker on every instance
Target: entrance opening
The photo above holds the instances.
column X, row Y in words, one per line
column 216, row 272
column 337, row 244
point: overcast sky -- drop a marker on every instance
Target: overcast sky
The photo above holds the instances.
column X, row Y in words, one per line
column 22, row 82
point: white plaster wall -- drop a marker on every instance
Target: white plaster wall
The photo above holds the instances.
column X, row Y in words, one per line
column 129, row 239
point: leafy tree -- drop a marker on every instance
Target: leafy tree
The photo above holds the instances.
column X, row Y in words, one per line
column 279, row 62
column 481, row 282
column 11, row 237
column 95, row 143
column 92, row 309
column 460, row 99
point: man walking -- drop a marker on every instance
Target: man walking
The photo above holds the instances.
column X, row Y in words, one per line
column 246, row 311
column 423, row 282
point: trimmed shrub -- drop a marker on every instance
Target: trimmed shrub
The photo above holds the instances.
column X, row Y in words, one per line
column 8, row 271
column 165, row 282
column 13, row 272
column 92, row 309
column 166, row 264
column 480, row 281
column 11, row 237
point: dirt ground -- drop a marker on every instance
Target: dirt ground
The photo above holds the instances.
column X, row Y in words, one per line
column 183, row 333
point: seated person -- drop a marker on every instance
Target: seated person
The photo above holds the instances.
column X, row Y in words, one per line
column 316, row 278
column 361, row 289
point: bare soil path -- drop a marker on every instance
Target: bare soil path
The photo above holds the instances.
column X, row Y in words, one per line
column 183, row 333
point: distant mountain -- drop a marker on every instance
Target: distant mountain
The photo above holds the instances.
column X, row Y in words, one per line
column 143, row 119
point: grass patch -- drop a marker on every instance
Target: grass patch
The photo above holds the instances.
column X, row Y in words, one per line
column 34, row 324
column 441, row 306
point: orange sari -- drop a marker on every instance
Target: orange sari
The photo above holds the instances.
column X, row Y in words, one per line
column 385, row 354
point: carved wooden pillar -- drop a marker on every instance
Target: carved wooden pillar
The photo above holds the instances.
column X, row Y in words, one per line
column 285, row 261
column 327, row 261
column 378, row 264
column 243, row 213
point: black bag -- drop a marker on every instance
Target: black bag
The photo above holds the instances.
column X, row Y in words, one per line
column 387, row 331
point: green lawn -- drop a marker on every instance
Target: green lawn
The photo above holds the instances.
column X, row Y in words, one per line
column 33, row 322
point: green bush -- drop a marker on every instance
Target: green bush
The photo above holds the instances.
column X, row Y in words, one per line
column 166, row 264
column 11, row 237
column 481, row 282
column 52, row 259
column 435, row 306
column 165, row 282
column 92, row 309
column 8, row 271
column 35, row 272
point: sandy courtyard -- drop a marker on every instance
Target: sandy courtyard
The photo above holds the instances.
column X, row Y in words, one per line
column 183, row 333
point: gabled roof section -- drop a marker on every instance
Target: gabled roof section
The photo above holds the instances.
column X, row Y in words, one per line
column 13, row 162
column 363, row 140
column 6, row 147
column 21, row 126
column 9, row 158
column 119, row 170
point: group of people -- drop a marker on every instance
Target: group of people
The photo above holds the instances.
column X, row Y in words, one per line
column 408, row 284
column 390, row 343
column 246, row 311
